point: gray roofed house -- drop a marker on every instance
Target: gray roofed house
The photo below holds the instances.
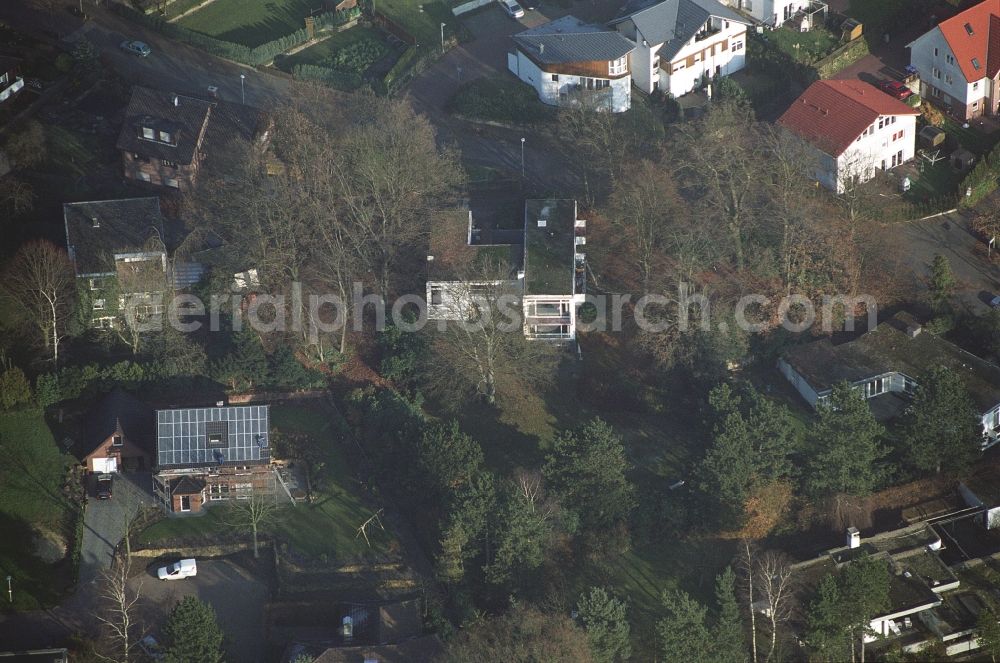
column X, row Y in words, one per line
column 570, row 62
column 178, row 124
column 569, row 39
column 98, row 231
column 674, row 23
column 212, row 436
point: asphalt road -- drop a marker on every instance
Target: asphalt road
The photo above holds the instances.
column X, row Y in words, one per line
column 978, row 278
column 237, row 598
column 105, row 520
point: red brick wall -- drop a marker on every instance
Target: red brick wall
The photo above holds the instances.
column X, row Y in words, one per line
column 128, row 450
column 159, row 173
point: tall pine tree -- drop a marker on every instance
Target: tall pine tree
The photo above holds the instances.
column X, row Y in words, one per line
column 943, row 432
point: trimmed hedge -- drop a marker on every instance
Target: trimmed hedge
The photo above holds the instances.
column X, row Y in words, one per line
column 342, row 80
column 402, row 71
column 841, row 58
column 262, row 54
column 982, row 179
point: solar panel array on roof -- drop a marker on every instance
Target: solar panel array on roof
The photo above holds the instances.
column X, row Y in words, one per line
column 212, row 436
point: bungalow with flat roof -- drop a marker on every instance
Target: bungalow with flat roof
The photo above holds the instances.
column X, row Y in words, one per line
column 890, row 359
column 542, row 265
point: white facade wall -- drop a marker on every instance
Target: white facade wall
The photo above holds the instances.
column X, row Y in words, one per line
column 725, row 62
column 450, row 300
column 799, row 382
column 876, row 150
column 772, row 12
column 934, row 60
column 552, row 92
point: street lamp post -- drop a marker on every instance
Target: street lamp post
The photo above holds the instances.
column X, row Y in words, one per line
column 522, row 157
column 442, row 37
column 243, row 92
column 10, row 594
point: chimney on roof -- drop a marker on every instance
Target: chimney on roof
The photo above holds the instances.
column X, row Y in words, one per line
column 177, row 100
column 95, row 222
column 542, row 223
column 853, row 537
column 220, row 403
column 913, row 330
column 541, row 48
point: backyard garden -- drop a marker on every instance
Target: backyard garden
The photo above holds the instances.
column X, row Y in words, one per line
column 251, row 24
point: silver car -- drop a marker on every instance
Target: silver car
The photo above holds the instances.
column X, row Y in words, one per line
column 136, row 47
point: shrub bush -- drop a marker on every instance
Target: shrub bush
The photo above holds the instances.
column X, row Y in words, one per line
column 15, row 390
column 500, row 101
column 342, row 80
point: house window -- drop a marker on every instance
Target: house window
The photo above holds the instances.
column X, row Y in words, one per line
column 876, row 386
column 99, row 304
column 935, row 52
column 185, row 503
column 218, row 491
column 148, row 133
column 975, row 64
column 164, row 136
column 949, row 59
column 892, row 120
column 618, row 67
column 555, row 77
column 948, row 79
column 737, row 45
column 144, row 177
column 436, row 295
column 678, row 66
column 975, row 86
column 935, row 72
column 4, row 78
column 116, row 441
column 172, row 182
column 168, row 164
column 881, row 122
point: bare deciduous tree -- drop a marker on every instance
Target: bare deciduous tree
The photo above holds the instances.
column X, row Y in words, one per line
column 775, row 590
column 16, row 196
column 41, row 281
column 119, row 615
column 250, row 515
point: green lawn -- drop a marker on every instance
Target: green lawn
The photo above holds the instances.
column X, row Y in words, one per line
column 934, row 182
column 352, row 51
column 32, row 473
column 327, row 526
column 970, row 138
column 805, row 47
column 424, row 25
column 250, row 22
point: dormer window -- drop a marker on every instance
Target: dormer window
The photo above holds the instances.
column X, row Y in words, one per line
column 149, row 133
column 618, row 67
column 975, row 64
column 164, row 137
column 116, row 441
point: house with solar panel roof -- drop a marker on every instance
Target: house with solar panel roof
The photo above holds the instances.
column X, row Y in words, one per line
column 211, row 454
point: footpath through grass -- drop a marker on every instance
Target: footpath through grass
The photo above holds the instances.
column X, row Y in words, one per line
column 250, row 23
column 35, row 514
column 326, row 527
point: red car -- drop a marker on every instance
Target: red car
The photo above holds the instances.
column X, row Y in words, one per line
column 895, row 89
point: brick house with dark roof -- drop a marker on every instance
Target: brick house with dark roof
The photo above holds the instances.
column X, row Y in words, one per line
column 167, row 137
column 211, row 454
column 117, row 435
column 117, row 249
column 854, row 128
column 959, row 62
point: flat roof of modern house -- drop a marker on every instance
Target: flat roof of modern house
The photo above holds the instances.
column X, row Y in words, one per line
column 889, row 348
column 455, row 253
column 97, row 230
column 549, row 247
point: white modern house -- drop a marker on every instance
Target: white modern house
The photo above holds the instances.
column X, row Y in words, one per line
column 570, row 62
column 959, row 61
column 682, row 43
column 771, row 12
column 855, row 129
column 889, row 361
column 541, row 266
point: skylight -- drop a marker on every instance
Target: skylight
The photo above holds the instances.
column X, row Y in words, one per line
column 975, row 63
column 968, row 28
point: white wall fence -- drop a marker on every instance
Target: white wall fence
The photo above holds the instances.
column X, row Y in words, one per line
column 469, row 6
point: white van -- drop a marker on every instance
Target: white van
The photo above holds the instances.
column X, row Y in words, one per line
column 185, row 568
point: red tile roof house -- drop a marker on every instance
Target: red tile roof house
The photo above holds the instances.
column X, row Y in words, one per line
column 959, row 62
column 855, row 129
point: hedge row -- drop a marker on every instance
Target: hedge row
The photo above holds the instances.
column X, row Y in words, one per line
column 262, row 54
column 404, row 69
column 982, row 179
column 342, row 80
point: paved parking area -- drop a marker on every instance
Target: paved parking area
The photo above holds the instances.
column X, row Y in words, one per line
column 237, row 598
column 105, row 520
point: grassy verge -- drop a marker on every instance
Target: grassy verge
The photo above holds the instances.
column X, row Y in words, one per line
column 250, row 23
column 499, row 100
column 327, row 527
column 33, row 507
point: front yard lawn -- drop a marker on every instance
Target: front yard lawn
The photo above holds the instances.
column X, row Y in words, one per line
column 327, row 527
column 250, row 23
column 351, row 51
column 934, row 181
column 37, row 518
column 805, row 47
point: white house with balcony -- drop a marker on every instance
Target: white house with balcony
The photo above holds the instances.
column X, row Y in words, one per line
column 541, row 265
column 959, row 62
column 887, row 363
column 854, row 128
column 570, row 63
column 682, row 43
column 10, row 81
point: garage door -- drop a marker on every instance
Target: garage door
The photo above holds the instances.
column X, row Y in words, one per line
column 102, row 465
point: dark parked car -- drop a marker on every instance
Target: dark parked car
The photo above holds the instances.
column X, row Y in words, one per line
column 103, row 487
column 896, row 89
